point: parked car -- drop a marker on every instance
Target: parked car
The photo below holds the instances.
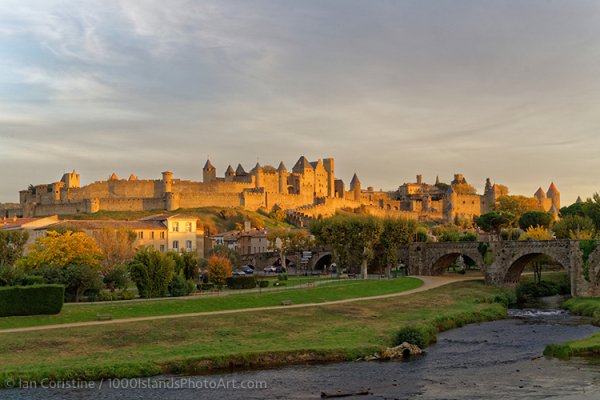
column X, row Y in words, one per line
column 279, row 270
column 238, row 272
column 248, row 270
column 270, row 269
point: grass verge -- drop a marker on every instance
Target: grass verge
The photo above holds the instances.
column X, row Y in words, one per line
column 589, row 307
column 338, row 290
column 257, row 339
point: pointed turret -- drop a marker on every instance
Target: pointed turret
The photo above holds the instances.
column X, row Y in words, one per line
column 354, row 181
column 540, row 194
column 437, row 180
column 488, row 185
column 208, row 166
column 552, row 190
column 229, row 171
column 113, row 177
column 256, row 168
column 579, row 200
column 209, row 172
column 132, row 177
column 281, row 167
column 239, row 171
column 301, row 165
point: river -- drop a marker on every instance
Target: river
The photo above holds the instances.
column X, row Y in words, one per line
column 493, row 360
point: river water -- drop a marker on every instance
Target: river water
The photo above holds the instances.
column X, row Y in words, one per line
column 493, row 360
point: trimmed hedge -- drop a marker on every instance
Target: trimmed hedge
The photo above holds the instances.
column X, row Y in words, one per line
column 31, row 300
column 241, row 282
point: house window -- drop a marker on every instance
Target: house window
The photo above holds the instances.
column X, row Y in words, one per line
column 175, row 226
column 175, row 244
column 152, row 235
column 188, row 245
column 188, row 226
column 249, row 249
column 162, row 248
column 162, row 235
column 140, row 235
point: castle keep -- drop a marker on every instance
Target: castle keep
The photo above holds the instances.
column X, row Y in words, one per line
column 308, row 190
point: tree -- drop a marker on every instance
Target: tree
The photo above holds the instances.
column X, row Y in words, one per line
column 516, row 205
column 575, row 227
column 12, row 244
column 589, row 208
column 79, row 280
column 333, row 233
column 116, row 246
column 494, row 221
column 285, row 241
column 395, row 233
column 186, row 264
column 463, row 189
column 61, row 250
column 538, row 233
column 152, row 271
column 116, row 278
column 536, row 218
column 219, row 269
column 224, row 251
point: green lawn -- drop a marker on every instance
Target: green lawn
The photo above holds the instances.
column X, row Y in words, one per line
column 200, row 344
column 589, row 307
column 337, row 290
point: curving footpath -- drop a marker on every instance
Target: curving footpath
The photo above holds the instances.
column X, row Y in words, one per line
column 429, row 282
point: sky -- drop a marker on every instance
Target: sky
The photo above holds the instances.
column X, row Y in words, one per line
column 503, row 89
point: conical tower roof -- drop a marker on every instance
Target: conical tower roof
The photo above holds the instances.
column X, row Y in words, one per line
column 240, row 170
column 281, row 167
column 114, row 177
column 354, row 180
column 301, row 165
column 229, row 170
column 540, row 194
column 552, row 190
column 208, row 165
column 437, row 179
column 579, row 200
column 256, row 167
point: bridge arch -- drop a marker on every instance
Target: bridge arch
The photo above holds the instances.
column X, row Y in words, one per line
column 525, row 256
column 322, row 262
column 441, row 255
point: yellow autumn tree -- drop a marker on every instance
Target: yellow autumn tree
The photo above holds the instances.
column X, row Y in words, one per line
column 537, row 233
column 219, row 269
column 63, row 249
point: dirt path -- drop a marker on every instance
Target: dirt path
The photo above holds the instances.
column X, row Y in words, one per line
column 429, row 282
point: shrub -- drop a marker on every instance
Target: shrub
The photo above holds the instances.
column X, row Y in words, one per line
column 282, row 277
column 79, row 280
column 468, row 237
column 263, row 284
column 31, row 300
column 420, row 335
column 116, row 278
column 206, row 286
column 219, row 269
column 241, row 282
column 544, row 288
column 152, row 271
column 15, row 276
column 180, row 286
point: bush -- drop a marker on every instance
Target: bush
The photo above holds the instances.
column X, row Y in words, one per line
column 282, row 277
column 206, row 286
column 544, row 288
column 468, row 237
column 31, row 300
column 152, row 272
column 420, row 335
column 180, row 286
column 79, row 280
column 116, row 278
column 241, row 282
column 15, row 276
column 263, row 284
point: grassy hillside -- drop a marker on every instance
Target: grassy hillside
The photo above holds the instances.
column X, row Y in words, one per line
column 215, row 218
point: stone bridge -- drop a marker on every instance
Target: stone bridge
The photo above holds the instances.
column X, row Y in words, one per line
column 502, row 262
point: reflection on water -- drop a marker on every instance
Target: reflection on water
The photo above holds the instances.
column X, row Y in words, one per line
column 494, row 360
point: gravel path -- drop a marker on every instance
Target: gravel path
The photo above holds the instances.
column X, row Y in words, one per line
column 429, row 282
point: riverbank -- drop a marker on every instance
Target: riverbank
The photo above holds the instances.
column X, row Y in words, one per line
column 257, row 339
column 589, row 307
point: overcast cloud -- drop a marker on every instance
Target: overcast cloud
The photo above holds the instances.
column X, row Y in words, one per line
column 505, row 89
